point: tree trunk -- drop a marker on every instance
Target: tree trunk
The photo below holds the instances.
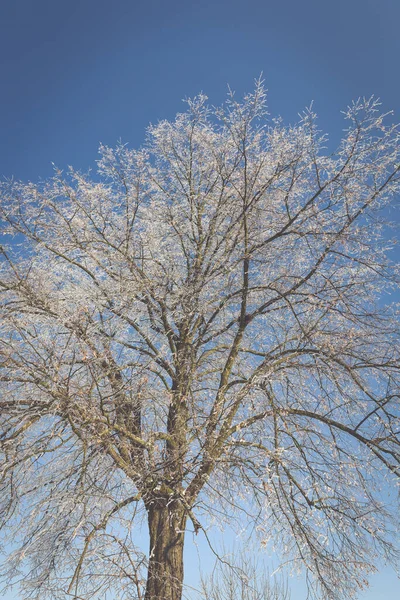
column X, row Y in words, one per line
column 167, row 533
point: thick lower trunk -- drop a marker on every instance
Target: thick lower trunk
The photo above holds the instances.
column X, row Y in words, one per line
column 165, row 572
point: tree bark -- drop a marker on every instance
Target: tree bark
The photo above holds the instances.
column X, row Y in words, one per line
column 167, row 523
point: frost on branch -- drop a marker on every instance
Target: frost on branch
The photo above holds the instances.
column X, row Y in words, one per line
column 201, row 331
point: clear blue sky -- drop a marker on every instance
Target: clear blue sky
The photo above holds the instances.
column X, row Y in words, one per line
column 77, row 72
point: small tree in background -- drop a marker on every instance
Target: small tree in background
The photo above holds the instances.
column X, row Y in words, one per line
column 240, row 576
column 201, row 332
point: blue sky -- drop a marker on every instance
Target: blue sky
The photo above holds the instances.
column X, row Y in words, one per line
column 79, row 72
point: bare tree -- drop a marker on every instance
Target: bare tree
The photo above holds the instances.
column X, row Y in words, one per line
column 201, row 331
column 240, row 576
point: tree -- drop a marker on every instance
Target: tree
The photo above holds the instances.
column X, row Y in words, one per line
column 202, row 330
column 241, row 577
